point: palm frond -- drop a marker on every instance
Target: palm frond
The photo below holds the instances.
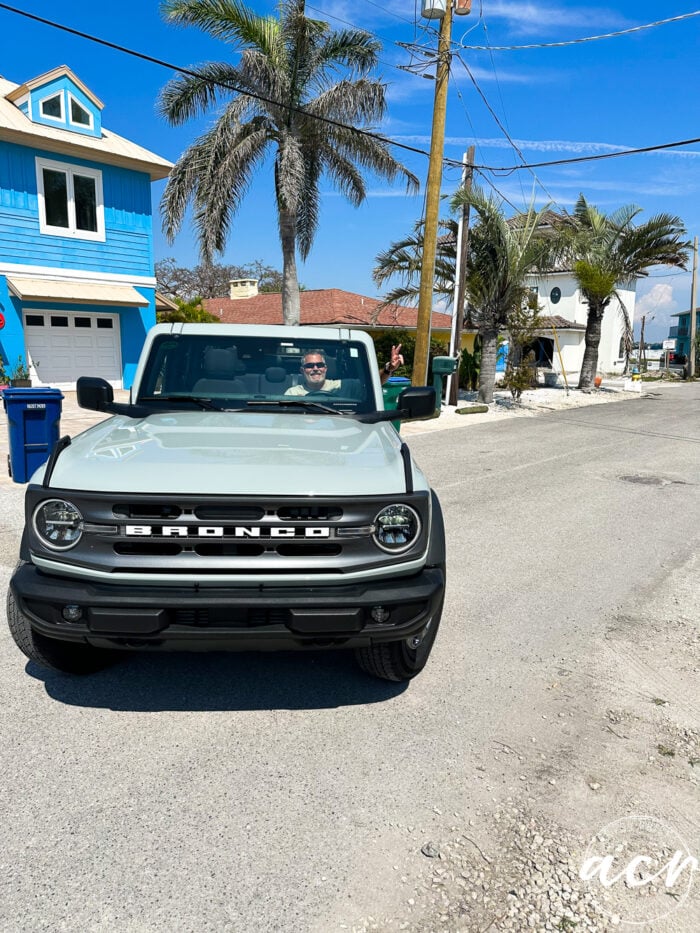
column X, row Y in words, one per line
column 292, row 71
column 227, row 20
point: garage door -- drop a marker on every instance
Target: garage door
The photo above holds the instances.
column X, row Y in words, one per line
column 63, row 345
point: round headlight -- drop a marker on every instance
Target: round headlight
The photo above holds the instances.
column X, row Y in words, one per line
column 396, row 528
column 58, row 523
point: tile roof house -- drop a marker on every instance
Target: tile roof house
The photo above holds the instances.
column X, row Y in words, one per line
column 318, row 306
column 327, row 306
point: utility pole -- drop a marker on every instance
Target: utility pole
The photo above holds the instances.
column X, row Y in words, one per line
column 460, row 277
column 432, row 203
column 642, row 350
column 693, row 303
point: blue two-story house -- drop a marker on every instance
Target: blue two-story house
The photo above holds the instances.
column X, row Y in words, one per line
column 77, row 286
column 680, row 332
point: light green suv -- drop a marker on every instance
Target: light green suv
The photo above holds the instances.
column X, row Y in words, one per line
column 238, row 501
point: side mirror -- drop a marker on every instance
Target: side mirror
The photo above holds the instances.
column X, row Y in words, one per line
column 416, row 403
column 94, row 393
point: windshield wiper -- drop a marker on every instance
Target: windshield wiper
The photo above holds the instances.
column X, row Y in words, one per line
column 294, row 403
column 203, row 403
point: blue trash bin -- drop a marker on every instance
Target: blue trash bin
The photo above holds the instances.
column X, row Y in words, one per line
column 33, row 425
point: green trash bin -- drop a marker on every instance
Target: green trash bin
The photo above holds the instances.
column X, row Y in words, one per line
column 391, row 390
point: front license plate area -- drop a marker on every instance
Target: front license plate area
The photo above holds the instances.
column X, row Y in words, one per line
column 127, row 621
column 325, row 621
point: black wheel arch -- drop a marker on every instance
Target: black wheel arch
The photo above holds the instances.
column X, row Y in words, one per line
column 437, row 549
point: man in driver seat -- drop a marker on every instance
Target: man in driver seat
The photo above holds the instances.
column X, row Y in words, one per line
column 314, row 368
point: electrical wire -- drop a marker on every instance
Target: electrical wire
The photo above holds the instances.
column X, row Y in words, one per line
column 375, row 35
column 503, row 129
column 503, row 109
column 346, row 22
column 377, row 136
column 555, row 45
column 509, row 169
column 229, row 87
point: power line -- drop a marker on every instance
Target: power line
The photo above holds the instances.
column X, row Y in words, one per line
column 502, row 128
column 384, row 10
column 508, row 169
column 229, row 87
column 347, row 22
column 555, row 45
column 500, row 97
column 377, row 136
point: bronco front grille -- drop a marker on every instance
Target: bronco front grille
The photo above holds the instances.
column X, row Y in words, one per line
column 246, row 535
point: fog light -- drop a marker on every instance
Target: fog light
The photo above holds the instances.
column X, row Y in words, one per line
column 72, row 613
column 379, row 614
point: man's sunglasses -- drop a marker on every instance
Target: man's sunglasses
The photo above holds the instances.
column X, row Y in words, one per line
column 314, row 366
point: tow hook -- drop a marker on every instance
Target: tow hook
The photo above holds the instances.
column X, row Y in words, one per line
column 415, row 640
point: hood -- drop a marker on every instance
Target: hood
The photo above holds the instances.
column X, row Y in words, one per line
column 235, row 453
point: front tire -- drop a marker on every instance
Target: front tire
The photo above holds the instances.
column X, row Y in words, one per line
column 398, row 660
column 64, row 656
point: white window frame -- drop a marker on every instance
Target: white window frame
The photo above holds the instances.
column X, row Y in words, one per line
column 90, row 125
column 71, row 230
column 47, row 116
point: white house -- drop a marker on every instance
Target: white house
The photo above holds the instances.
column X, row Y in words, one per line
column 565, row 313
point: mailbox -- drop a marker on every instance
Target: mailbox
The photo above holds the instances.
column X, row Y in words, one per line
column 444, row 365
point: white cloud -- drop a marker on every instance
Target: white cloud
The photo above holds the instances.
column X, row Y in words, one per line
column 537, row 17
column 535, row 145
column 658, row 301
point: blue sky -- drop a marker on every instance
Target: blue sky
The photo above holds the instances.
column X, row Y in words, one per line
column 586, row 98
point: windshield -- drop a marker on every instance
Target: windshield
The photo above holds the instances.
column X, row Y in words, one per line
column 219, row 371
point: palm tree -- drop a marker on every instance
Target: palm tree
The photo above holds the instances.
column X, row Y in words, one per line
column 280, row 96
column 403, row 258
column 502, row 254
column 607, row 252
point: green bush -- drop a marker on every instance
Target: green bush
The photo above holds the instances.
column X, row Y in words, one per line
column 470, row 367
column 187, row 312
column 385, row 341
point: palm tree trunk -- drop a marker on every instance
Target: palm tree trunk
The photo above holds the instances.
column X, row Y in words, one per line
column 487, row 372
column 291, row 302
column 590, row 355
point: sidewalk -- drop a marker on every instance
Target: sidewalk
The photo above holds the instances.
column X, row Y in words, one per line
column 75, row 419
column 533, row 402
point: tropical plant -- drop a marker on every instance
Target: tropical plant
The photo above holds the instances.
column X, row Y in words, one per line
column 609, row 251
column 521, row 367
column 385, row 341
column 469, row 366
column 280, row 96
column 403, row 260
column 20, row 371
column 187, row 312
column 502, row 254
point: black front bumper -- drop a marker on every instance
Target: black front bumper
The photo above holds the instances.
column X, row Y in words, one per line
column 193, row 618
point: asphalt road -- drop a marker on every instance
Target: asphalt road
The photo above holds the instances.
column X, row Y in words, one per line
column 289, row 792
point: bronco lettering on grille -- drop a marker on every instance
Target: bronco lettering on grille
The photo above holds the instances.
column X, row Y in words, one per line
column 220, row 531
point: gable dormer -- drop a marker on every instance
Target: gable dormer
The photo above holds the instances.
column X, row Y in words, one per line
column 61, row 100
